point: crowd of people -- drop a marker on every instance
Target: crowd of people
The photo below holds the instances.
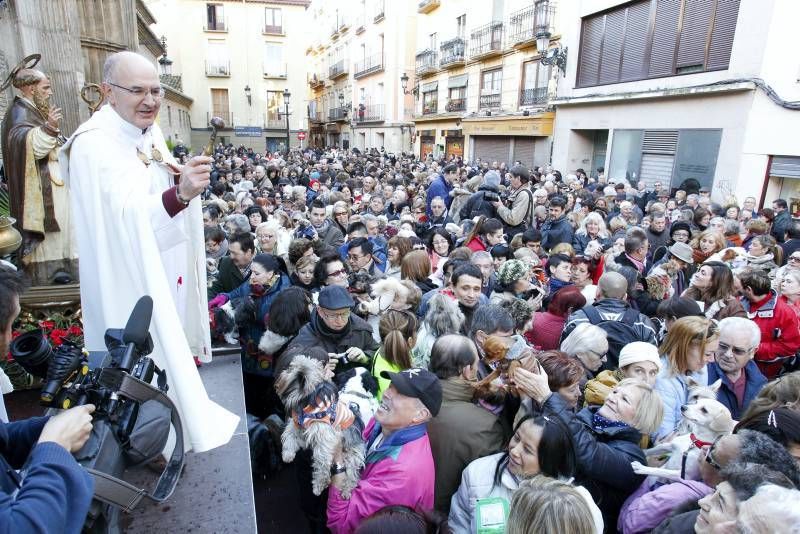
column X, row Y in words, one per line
column 531, row 334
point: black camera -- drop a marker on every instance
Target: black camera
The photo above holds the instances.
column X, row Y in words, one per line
column 491, row 196
column 132, row 418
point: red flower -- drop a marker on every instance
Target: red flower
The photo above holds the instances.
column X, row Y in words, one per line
column 15, row 334
column 75, row 330
column 47, row 324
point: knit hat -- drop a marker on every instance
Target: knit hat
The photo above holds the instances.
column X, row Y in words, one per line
column 639, row 351
column 491, row 178
column 511, row 271
column 315, row 175
column 680, row 225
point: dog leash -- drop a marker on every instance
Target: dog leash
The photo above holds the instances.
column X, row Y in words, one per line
column 696, row 442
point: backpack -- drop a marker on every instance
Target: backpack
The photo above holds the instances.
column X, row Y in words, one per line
column 620, row 332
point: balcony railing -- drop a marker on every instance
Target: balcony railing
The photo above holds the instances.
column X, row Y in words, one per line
column 453, row 52
column 218, row 68
column 524, row 24
column 430, row 108
column 338, row 69
column 369, row 113
column 369, row 65
column 426, row 6
column 215, row 26
column 360, row 23
column 379, row 11
column 315, row 116
column 275, row 123
column 316, row 81
column 226, row 116
column 426, row 62
column 533, row 96
column 273, row 30
column 344, row 23
column 456, row 104
column 486, row 40
column 275, row 71
column 337, row 114
column 491, row 100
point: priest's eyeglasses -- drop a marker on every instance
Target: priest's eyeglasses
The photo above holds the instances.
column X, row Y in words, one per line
column 140, row 92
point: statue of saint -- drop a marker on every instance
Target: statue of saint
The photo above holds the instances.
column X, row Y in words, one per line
column 30, row 140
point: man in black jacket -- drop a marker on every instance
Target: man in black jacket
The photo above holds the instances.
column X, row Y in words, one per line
column 482, row 201
column 782, row 220
column 635, row 257
column 234, row 269
column 556, row 229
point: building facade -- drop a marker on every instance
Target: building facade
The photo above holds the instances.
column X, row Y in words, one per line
column 684, row 93
column 480, row 87
column 237, row 58
column 356, row 99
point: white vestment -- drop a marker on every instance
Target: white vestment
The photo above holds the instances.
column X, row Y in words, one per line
column 129, row 247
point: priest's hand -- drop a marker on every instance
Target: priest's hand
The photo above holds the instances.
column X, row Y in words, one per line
column 195, row 177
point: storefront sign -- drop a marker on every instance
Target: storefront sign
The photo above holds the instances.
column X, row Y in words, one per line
column 534, row 126
column 247, row 131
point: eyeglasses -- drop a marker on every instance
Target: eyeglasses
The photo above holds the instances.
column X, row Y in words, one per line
column 339, row 213
column 337, row 274
column 723, row 348
column 710, row 458
column 355, row 257
column 794, row 258
column 140, row 92
column 331, row 316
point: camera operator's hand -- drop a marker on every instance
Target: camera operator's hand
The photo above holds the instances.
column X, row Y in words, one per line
column 70, row 428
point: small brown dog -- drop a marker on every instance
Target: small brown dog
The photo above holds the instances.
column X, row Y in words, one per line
column 494, row 387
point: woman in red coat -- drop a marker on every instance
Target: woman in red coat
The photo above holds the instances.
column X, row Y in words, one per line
column 547, row 326
column 485, row 234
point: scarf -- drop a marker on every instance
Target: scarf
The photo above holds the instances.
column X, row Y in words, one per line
column 638, row 264
column 601, row 423
column 336, row 335
column 699, row 256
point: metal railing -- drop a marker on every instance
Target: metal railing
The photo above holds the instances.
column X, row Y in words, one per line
column 369, row 65
column 218, row 68
column 380, row 11
column 316, row 81
column 215, row 26
column 426, row 6
column 524, row 24
column 273, row 30
column 456, row 104
column 275, row 123
column 315, row 116
column 279, row 72
column 533, row 96
column 430, row 108
column 369, row 113
column 337, row 114
column 453, row 52
column 360, row 22
column 486, row 39
column 337, row 69
column 426, row 62
column 491, row 100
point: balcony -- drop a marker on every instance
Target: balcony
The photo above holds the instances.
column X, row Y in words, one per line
column 456, row 104
column 275, row 123
column 218, row 69
column 315, row 82
column 360, row 24
column 426, row 62
column 431, row 107
column 369, row 113
column 335, row 31
column 489, row 101
column 486, row 41
column 337, row 114
column 338, row 70
column 226, row 116
column 344, row 24
column 315, row 117
column 369, row 66
column 380, row 11
column 215, row 26
column 535, row 96
column 426, row 6
column 452, row 53
column 275, row 71
column 273, row 30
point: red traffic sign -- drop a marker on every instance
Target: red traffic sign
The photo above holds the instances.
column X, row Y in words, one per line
column 301, row 135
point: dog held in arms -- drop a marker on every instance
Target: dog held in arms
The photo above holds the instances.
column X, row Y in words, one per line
column 708, row 419
column 310, row 400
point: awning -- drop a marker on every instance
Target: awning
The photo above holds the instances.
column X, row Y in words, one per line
column 457, row 81
column 428, row 87
column 785, row 166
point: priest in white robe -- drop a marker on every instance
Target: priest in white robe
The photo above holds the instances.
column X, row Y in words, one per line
column 139, row 233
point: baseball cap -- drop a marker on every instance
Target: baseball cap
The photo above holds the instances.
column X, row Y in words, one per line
column 420, row 384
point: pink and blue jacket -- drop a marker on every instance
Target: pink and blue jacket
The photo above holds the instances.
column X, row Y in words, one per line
column 398, row 472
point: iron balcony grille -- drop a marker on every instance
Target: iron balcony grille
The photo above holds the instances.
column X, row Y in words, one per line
column 426, row 62
column 215, row 26
column 337, row 114
column 273, row 30
column 456, row 104
column 369, row 113
column 533, row 96
column 218, row 68
column 486, row 39
column 452, row 52
column 379, row 11
column 275, row 123
column 315, row 116
column 489, row 101
column 369, row 65
column 430, row 108
column 339, row 68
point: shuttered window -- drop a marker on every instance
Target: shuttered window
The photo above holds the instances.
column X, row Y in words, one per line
column 655, row 38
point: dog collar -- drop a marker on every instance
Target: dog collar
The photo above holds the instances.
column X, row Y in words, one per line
column 698, row 442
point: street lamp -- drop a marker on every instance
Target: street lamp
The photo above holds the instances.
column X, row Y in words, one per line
column 164, row 61
column 556, row 57
column 248, row 94
column 404, row 85
column 286, row 96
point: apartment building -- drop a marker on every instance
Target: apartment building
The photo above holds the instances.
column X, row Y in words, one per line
column 356, row 99
column 684, row 93
column 480, row 87
column 239, row 59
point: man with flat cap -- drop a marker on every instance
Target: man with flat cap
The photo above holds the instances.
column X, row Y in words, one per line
column 399, row 465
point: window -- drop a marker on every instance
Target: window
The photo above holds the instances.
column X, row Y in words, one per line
column 429, row 100
column 535, row 78
column 274, row 106
column 218, row 63
column 457, row 99
column 491, row 83
column 169, row 115
column 656, row 38
column 215, row 21
column 461, row 26
column 273, row 21
column 273, row 60
column 219, row 103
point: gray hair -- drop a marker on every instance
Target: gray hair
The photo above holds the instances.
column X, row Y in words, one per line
column 368, row 217
column 490, row 319
column 758, row 448
column 745, row 478
column 481, row 255
column 635, row 238
column 769, row 510
column 733, row 324
column 450, row 354
column 240, row 221
column 585, row 338
column 732, row 227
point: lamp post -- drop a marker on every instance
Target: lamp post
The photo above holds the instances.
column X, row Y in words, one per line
column 286, row 96
column 404, row 85
column 248, row 94
column 556, row 57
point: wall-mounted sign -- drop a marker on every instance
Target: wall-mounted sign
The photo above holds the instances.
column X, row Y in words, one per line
column 247, row 131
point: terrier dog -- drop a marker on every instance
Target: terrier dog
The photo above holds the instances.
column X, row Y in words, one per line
column 708, row 420
column 495, row 386
column 310, row 401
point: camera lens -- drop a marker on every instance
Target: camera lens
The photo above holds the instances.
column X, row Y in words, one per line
column 32, row 351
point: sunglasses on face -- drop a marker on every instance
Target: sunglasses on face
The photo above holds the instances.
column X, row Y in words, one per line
column 710, row 456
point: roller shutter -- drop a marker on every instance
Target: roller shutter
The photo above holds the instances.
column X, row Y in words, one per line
column 524, row 150
column 492, row 148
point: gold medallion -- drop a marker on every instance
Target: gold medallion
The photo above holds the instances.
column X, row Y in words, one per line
column 143, row 157
column 156, row 154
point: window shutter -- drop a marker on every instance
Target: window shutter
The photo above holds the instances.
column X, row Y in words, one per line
column 719, row 51
column 694, row 34
column 589, row 63
column 612, row 47
column 633, row 51
column 660, row 141
column 665, row 33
